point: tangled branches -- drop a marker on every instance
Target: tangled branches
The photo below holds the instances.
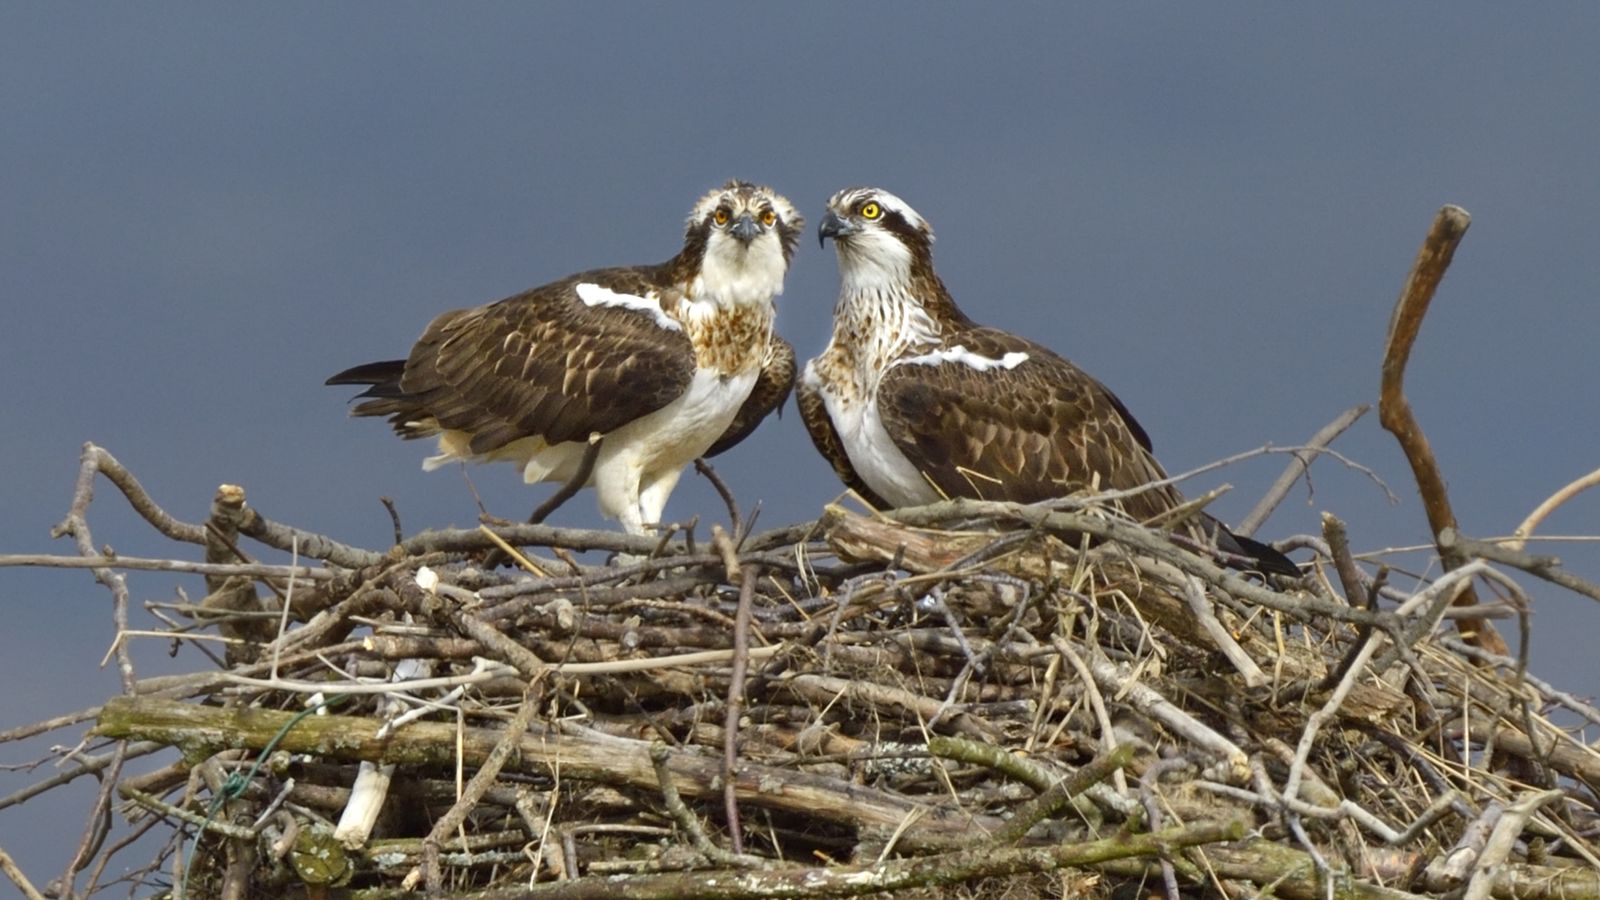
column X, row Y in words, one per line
column 955, row 693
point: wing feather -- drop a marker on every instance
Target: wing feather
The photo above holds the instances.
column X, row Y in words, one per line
column 1036, row 430
column 543, row 363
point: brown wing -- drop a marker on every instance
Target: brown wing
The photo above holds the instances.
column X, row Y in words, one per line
column 539, row 363
column 772, row 388
column 814, row 413
column 1039, row 430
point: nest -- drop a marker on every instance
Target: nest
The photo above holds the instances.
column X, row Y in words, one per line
column 962, row 700
column 970, row 699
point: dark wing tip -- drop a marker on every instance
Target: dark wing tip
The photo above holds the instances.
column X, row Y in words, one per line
column 1268, row 560
column 370, row 373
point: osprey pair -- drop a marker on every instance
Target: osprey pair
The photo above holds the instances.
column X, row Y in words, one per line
column 634, row 372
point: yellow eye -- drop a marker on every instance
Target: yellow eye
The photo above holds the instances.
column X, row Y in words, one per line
column 871, row 210
column 721, row 216
column 768, row 217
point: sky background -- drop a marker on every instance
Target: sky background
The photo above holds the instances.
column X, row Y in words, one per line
column 205, row 210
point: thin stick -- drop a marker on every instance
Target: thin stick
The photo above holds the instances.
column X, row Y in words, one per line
column 245, row 570
column 1549, row 506
column 735, row 523
column 14, row 872
column 1299, row 466
column 1546, row 567
column 1195, row 596
column 485, row 777
column 730, row 729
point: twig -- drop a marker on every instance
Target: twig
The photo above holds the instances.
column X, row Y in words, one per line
column 14, row 872
column 1394, row 411
column 735, row 522
column 1195, row 596
column 487, row 772
column 394, row 518
column 890, row 875
column 1505, row 834
column 730, row 728
column 1051, row 800
column 1299, row 466
column 1551, row 503
column 1546, row 567
column 242, row 570
column 688, row 821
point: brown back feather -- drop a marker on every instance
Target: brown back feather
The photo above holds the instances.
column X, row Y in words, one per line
column 1040, row 430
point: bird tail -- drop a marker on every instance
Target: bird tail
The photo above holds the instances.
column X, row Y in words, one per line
column 386, row 398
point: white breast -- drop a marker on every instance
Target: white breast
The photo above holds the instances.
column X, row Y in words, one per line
column 672, row 436
column 873, row 454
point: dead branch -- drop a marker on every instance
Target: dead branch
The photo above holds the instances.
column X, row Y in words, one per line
column 1394, row 411
column 1299, row 467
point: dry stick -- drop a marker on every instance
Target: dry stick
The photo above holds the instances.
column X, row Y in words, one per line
column 735, row 522
column 484, row 778
column 98, row 460
column 76, row 524
column 1344, row 565
column 86, row 765
column 246, row 570
column 44, row 725
column 741, row 664
column 99, row 824
column 1097, row 703
column 1394, row 411
column 576, row 752
column 1505, row 834
column 1194, row 594
column 688, row 821
column 1301, row 464
column 14, row 872
column 1049, row 801
column 892, row 875
column 1549, row 506
column 1549, row 568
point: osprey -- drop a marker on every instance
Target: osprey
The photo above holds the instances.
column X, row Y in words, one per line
column 659, row 364
column 913, row 402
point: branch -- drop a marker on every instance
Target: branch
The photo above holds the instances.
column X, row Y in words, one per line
column 582, row 755
column 1301, row 464
column 1394, row 411
column 1546, row 567
column 892, row 875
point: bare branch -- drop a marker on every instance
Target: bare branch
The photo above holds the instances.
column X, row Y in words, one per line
column 1394, row 411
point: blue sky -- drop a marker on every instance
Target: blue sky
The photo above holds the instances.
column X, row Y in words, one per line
column 208, row 209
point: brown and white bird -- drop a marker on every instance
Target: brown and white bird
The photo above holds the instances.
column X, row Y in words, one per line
column 658, row 363
column 913, row 402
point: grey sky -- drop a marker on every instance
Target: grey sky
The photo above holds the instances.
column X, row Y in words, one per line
column 209, row 209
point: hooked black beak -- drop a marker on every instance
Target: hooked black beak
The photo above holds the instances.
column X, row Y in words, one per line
column 745, row 229
column 834, row 227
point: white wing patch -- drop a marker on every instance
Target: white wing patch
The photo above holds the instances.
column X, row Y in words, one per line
column 960, row 354
column 594, row 295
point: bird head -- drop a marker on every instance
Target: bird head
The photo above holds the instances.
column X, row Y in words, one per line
column 746, row 234
column 878, row 236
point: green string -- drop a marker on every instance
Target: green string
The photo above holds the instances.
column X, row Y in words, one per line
column 233, row 786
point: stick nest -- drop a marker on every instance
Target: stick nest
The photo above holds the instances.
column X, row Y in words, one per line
column 963, row 700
